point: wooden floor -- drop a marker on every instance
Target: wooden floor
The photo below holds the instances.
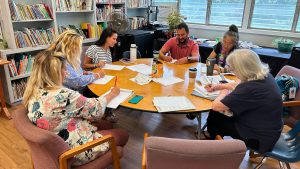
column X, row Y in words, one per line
column 14, row 153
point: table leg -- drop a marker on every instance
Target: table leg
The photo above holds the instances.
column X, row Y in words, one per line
column 199, row 130
column 3, row 104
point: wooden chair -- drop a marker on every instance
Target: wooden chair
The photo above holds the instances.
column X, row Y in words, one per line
column 48, row 150
column 161, row 153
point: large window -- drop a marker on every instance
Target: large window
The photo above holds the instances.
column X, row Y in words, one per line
column 194, row 10
column 273, row 14
column 227, row 12
column 298, row 25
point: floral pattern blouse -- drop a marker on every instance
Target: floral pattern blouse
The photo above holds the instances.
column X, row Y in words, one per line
column 75, row 79
column 69, row 114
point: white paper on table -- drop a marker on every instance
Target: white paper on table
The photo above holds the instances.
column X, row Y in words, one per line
column 103, row 80
column 141, row 68
column 141, row 79
column 113, row 67
column 205, row 80
column 173, row 61
column 172, row 103
column 167, row 81
column 115, row 102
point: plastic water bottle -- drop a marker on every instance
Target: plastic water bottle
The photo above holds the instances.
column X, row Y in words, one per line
column 133, row 52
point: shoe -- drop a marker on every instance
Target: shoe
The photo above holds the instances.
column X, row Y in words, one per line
column 190, row 116
column 112, row 118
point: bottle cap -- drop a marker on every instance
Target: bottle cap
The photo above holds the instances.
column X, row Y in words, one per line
column 133, row 45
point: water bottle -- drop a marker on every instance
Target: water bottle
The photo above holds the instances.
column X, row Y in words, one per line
column 133, row 52
column 210, row 66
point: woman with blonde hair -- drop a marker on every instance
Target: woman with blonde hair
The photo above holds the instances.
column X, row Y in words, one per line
column 255, row 104
column 73, row 117
column 68, row 45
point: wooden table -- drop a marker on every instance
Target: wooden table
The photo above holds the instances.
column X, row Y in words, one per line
column 3, row 103
column 154, row 89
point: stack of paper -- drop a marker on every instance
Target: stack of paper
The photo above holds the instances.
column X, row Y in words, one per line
column 168, row 81
column 141, row 68
column 202, row 92
column 115, row 102
column 103, row 80
column 172, row 103
column 113, row 67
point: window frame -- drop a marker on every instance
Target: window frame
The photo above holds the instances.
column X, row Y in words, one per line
column 246, row 21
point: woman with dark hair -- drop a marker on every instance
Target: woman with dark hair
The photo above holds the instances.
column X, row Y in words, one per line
column 99, row 54
column 222, row 49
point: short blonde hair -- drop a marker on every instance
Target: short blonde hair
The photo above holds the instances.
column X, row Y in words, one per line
column 46, row 73
column 68, row 44
column 246, row 65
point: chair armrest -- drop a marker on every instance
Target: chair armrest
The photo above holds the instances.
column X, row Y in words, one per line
column 144, row 152
column 71, row 153
column 291, row 103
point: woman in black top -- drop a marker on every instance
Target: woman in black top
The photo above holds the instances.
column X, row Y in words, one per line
column 255, row 104
column 223, row 49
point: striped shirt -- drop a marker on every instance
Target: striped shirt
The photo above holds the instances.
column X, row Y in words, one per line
column 97, row 54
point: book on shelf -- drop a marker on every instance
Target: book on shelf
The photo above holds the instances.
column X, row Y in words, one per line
column 18, row 88
column 73, row 5
column 20, row 12
column 21, row 64
column 137, row 3
column 110, row 1
column 31, row 37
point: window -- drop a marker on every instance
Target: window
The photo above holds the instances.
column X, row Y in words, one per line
column 194, row 10
column 227, row 12
column 164, row 8
column 298, row 24
column 275, row 14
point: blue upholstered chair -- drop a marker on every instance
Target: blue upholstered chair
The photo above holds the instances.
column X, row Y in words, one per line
column 287, row 148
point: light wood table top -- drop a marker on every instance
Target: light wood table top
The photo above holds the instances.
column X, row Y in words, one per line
column 154, row 89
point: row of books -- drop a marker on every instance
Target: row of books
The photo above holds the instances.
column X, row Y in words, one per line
column 18, row 88
column 31, row 37
column 110, row 1
column 137, row 22
column 21, row 12
column 137, row 3
column 104, row 12
column 73, row 5
column 87, row 30
column 20, row 65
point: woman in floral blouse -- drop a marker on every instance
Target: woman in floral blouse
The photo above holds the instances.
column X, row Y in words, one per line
column 73, row 117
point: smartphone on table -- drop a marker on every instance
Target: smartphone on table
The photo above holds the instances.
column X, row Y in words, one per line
column 135, row 99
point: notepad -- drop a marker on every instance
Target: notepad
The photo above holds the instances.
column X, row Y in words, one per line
column 205, row 80
column 168, row 81
column 172, row 103
column 113, row 67
column 103, row 80
column 115, row 102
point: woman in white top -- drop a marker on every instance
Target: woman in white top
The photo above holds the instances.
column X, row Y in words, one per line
column 99, row 54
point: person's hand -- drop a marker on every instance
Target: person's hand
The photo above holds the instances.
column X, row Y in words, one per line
column 99, row 74
column 210, row 87
column 101, row 64
column 85, row 72
column 181, row 61
column 115, row 91
column 167, row 58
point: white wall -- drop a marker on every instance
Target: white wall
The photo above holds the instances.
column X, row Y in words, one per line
column 258, row 37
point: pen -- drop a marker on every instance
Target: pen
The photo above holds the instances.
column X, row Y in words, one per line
column 116, row 80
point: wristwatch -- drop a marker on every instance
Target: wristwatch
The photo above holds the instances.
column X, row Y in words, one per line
column 189, row 59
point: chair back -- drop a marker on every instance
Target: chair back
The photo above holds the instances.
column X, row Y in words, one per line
column 126, row 54
column 294, row 111
column 193, row 154
column 45, row 146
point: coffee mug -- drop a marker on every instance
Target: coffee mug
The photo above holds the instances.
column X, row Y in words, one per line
column 210, row 64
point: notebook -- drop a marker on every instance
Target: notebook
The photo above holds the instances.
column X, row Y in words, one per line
column 115, row 102
column 200, row 91
column 103, row 80
column 172, row 103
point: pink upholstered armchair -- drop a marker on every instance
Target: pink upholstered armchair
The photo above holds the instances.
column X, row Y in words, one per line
column 162, row 153
column 49, row 151
column 295, row 105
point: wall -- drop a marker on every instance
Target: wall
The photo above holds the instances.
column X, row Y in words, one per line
column 258, row 37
